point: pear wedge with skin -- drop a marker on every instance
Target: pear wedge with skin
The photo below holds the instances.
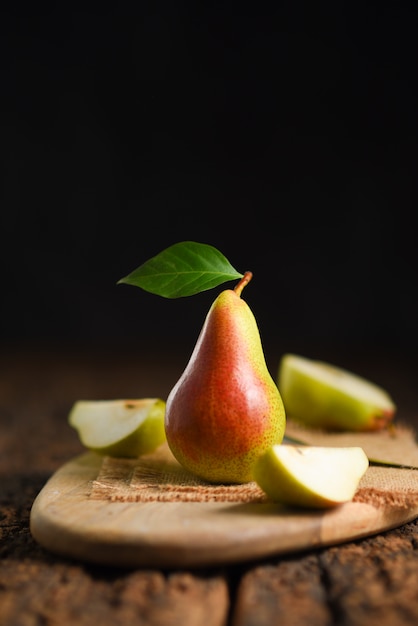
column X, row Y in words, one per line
column 225, row 409
column 320, row 395
column 120, row 428
column 310, row 476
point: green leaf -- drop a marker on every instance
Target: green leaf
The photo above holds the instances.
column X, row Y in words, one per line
column 183, row 269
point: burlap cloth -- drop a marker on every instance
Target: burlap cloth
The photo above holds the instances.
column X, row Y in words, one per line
column 158, row 477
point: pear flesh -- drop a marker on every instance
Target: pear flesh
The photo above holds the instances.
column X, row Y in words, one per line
column 318, row 394
column 120, row 428
column 225, row 409
column 311, row 476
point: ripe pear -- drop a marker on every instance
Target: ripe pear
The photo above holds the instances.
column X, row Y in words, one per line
column 311, row 476
column 318, row 394
column 225, row 410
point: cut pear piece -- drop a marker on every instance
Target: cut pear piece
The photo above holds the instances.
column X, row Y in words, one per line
column 120, row 428
column 322, row 395
column 310, row 476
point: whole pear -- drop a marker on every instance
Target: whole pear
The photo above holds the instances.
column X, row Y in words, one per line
column 225, row 410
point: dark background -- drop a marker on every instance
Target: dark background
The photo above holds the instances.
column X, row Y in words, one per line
column 285, row 136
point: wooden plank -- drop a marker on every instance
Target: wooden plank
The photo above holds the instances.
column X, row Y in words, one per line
column 373, row 583
column 39, row 593
column 291, row 592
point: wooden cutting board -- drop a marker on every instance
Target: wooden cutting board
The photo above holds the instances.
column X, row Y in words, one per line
column 150, row 512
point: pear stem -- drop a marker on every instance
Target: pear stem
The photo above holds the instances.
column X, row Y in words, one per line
column 243, row 282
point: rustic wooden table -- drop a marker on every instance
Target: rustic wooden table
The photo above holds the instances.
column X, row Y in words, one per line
column 370, row 581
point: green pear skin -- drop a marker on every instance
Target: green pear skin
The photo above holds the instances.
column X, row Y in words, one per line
column 225, row 410
column 320, row 395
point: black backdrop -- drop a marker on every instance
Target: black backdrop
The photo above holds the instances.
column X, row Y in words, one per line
column 285, row 136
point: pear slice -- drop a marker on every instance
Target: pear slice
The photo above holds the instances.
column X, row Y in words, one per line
column 310, row 476
column 322, row 395
column 120, row 428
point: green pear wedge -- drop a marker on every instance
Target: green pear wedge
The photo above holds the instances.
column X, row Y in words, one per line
column 318, row 394
column 311, row 476
column 119, row 428
column 225, row 409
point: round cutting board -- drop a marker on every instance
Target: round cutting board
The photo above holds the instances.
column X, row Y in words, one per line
column 148, row 512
